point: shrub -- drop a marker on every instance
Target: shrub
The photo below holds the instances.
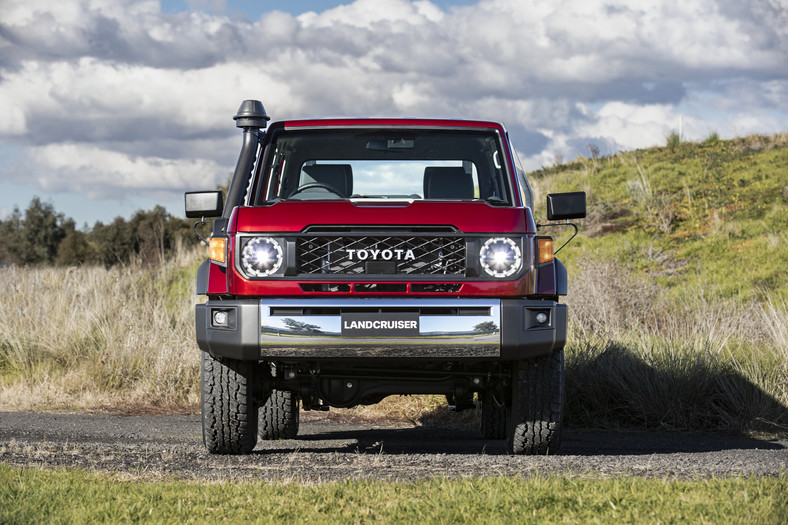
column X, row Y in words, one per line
column 673, row 140
column 713, row 138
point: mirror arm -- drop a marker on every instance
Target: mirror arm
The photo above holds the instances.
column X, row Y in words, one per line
column 200, row 223
column 567, row 223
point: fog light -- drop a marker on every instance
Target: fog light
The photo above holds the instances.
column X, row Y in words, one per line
column 541, row 318
column 220, row 318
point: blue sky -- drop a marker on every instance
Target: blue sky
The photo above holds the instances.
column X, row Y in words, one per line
column 253, row 10
column 111, row 106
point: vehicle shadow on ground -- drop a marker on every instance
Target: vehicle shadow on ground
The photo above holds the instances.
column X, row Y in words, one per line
column 678, row 407
column 614, row 386
column 451, row 441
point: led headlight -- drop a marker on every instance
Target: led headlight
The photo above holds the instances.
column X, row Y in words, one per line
column 261, row 257
column 500, row 257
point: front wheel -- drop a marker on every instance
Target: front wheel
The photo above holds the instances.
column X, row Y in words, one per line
column 229, row 412
column 535, row 416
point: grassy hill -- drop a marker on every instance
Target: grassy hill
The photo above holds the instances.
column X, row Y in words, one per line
column 710, row 215
column 678, row 300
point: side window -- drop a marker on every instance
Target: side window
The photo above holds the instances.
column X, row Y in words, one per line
column 525, row 188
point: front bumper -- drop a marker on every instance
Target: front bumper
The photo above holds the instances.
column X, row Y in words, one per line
column 432, row 329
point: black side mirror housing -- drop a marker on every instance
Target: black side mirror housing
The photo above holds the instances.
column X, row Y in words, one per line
column 201, row 204
column 567, row 206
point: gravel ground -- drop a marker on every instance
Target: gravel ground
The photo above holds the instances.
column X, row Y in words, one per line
column 330, row 449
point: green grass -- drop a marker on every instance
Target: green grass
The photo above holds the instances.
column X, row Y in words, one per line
column 64, row 496
column 713, row 214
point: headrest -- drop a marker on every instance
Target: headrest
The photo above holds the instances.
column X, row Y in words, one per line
column 337, row 176
column 447, row 183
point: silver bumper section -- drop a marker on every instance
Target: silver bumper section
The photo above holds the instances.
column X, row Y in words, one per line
column 424, row 328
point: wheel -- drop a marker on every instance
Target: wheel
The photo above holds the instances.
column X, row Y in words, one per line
column 229, row 413
column 279, row 416
column 535, row 415
column 493, row 417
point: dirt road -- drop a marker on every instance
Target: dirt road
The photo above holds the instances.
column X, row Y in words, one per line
column 329, row 449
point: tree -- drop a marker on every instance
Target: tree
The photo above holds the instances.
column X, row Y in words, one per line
column 44, row 236
column 9, row 238
column 151, row 235
column 41, row 233
column 485, row 327
column 114, row 242
column 75, row 249
column 301, row 327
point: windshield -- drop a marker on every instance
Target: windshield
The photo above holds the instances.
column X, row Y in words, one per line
column 385, row 164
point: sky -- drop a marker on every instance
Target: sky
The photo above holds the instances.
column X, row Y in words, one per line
column 112, row 106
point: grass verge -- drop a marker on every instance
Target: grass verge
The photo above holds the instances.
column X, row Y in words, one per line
column 96, row 337
column 640, row 357
column 65, row 496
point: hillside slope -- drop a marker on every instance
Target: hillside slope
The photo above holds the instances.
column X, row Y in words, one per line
column 708, row 216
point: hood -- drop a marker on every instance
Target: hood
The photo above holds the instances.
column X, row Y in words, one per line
column 295, row 216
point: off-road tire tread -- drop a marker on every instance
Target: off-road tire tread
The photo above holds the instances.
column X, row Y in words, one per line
column 279, row 416
column 536, row 415
column 493, row 417
column 229, row 413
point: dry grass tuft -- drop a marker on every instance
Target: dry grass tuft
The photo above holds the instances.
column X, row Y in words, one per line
column 96, row 338
column 638, row 358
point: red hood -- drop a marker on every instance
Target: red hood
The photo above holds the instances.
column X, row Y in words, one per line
column 469, row 217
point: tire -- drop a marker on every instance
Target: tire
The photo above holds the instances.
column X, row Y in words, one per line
column 537, row 405
column 278, row 417
column 493, row 417
column 229, row 413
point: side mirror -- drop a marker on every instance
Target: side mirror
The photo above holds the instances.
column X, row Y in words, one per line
column 201, row 204
column 562, row 206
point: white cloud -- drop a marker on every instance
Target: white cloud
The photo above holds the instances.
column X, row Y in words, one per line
column 631, row 126
column 370, row 14
column 137, row 91
column 98, row 173
column 91, row 100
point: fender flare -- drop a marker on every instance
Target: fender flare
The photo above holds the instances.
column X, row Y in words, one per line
column 561, row 280
column 202, row 277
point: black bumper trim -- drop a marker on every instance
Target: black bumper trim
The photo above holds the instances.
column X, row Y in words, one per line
column 522, row 337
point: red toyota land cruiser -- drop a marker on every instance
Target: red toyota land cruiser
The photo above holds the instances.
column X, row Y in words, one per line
column 360, row 258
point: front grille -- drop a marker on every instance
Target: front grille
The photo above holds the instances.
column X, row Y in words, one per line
column 376, row 255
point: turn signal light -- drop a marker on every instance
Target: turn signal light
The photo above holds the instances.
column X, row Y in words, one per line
column 218, row 250
column 544, row 249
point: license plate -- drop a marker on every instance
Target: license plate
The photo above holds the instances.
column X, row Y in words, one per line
column 379, row 325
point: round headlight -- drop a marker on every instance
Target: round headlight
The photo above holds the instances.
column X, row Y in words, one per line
column 261, row 257
column 500, row 257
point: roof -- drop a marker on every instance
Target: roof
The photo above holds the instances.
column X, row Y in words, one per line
column 387, row 122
